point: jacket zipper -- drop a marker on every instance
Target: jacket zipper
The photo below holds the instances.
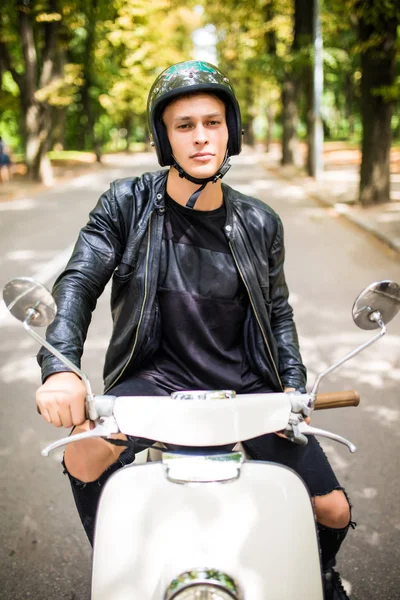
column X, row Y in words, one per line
column 256, row 315
column 141, row 309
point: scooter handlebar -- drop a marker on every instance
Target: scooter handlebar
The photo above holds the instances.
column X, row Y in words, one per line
column 105, row 404
column 337, row 400
column 106, row 423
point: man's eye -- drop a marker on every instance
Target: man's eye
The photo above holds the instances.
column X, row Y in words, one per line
column 184, row 126
column 213, row 122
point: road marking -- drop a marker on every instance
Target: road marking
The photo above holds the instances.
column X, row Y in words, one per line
column 43, row 274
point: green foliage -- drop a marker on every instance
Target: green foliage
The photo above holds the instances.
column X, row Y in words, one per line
column 61, row 91
column 243, row 31
column 389, row 93
column 243, row 27
column 109, row 53
column 9, row 99
column 143, row 39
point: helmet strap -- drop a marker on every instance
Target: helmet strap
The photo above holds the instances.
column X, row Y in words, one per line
column 223, row 169
column 194, row 197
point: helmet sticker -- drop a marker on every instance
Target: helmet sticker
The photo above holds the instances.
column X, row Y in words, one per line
column 187, row 68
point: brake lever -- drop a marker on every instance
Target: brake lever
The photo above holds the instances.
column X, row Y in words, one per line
column 293, row 433
column 297, row 429
column 104, row 427
column 305, row 429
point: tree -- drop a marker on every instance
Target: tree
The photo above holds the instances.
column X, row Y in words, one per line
column 377, row 27
column 291, row 86
column 82, row 67
column 31, row 53
column 270, row 40
column 130, row 47
column 264, row 46
column 249, row 49
column 86, row 138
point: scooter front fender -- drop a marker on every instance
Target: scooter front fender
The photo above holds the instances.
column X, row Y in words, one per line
column 259, row 529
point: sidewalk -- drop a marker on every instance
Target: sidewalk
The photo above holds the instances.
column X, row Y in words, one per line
column 64, row 170
column 20, row 187
column 338, row 188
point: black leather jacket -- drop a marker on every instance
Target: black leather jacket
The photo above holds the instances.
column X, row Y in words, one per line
column 122, row 240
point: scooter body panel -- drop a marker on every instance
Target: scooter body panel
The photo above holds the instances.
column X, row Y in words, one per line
column 259, row 529
column 202, row 422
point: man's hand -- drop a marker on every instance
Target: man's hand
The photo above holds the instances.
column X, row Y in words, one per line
column 61, row 400
column 307, row 419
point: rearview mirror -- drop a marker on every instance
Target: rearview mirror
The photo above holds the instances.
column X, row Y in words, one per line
column 27, row 298
column 382, row 297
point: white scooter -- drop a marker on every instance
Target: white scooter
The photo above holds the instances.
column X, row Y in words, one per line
column 209, row 525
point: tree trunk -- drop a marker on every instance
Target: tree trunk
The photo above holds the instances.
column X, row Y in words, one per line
column 97, row 150
column 293, row 82
column 378, row 70
column 38, row 127
column 289, row 120
column 248, row 136
column 270, row 11
column 37, row 115
column 57, row 138
column 270, row 127
column 303, row 42
column 87, row 138
column 270, row 47
column 308, row 86
column 349, row 103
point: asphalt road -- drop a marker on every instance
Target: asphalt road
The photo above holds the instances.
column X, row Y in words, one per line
column 43, row 552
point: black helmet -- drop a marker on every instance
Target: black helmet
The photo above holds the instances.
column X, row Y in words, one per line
column 184, row 78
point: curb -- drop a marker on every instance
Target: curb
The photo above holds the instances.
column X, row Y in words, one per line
column 341, row 208
column 394, row 244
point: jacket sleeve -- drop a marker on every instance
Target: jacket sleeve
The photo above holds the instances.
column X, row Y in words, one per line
column 96, row 254
column 291, row 368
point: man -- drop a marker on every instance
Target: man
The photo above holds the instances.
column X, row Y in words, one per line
column 199, row 297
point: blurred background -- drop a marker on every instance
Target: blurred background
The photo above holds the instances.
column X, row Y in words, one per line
column 318, row 84
column 75, row 75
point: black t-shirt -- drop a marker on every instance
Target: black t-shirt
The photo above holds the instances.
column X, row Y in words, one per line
column 203, row 304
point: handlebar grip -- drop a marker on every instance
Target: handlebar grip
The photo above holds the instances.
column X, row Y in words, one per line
column 337, row 400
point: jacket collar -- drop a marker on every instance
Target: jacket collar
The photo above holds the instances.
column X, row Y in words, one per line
column 160, row 185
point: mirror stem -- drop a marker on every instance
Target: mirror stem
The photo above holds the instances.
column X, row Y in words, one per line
column 31, row 313
column 375, row 316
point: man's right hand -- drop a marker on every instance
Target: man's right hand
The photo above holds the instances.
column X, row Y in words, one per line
column 61, row 400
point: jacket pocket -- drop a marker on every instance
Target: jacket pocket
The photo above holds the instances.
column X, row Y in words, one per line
column 124, row 287
column 122, row 272
column 152, row 337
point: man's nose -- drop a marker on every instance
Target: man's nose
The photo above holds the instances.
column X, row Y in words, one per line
column 200, row 134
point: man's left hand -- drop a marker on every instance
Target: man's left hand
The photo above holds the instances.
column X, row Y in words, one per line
column 307, row 419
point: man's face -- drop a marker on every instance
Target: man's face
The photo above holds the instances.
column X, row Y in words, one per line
column 198, row 133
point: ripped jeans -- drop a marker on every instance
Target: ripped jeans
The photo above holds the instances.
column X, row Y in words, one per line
column 309, row 462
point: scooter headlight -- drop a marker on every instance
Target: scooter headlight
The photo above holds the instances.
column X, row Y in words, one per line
column 203, row 584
